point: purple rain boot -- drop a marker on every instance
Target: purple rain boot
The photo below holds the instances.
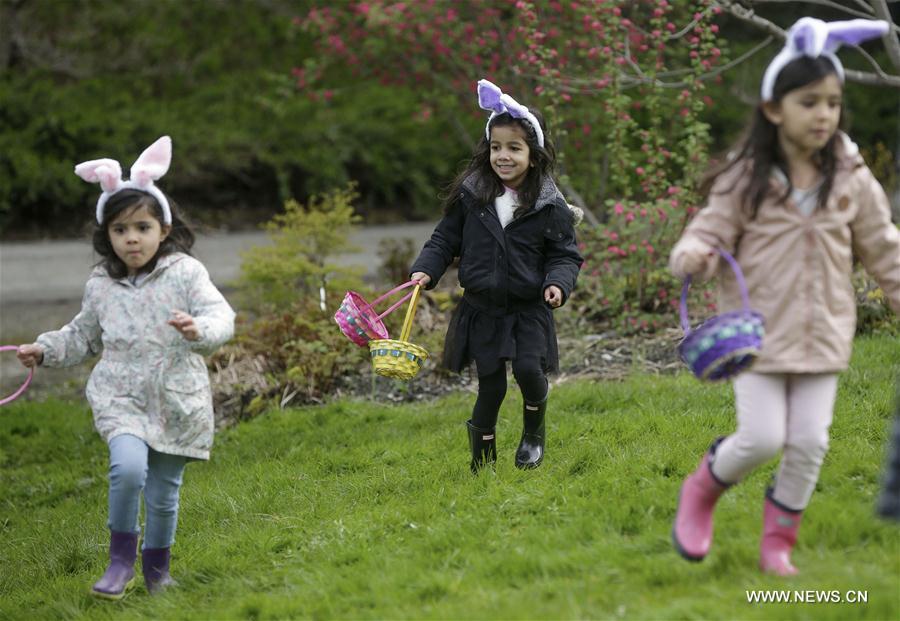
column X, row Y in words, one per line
column 155, row 564
column 119, row 576
column 693, row 528
column 780, row 526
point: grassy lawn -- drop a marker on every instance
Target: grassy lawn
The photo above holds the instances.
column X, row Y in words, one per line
column 367, row 511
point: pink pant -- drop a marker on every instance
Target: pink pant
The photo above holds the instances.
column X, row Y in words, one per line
column 780, row 412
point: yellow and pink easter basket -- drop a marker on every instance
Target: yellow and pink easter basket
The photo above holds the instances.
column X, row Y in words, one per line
column 400, row 359
column 360, row 322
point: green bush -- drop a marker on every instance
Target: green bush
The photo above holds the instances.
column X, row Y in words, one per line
column 282, row 285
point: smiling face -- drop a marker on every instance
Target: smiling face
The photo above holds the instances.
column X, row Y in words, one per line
column 135, row 235
column 510, row 155
column 807, row 117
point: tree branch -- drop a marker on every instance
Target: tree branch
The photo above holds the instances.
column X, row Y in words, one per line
column 890, row 40
column 865, row 11
column 879, row 78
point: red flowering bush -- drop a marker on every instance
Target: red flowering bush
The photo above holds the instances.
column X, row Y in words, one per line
column 621, row 83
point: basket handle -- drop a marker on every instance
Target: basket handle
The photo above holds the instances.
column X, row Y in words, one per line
column 24, row 385
column 410, row 313
column 390, row 293
column 742, row 285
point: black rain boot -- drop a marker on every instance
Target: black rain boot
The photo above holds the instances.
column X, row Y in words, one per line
column 483, row 443
column 530, row 453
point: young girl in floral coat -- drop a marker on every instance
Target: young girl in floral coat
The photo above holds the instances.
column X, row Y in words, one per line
column 794, row 204
column 151, row 312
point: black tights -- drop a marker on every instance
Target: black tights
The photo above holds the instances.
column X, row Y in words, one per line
column 492, row 389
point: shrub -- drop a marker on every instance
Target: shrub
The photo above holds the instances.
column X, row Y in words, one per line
column 293, row 287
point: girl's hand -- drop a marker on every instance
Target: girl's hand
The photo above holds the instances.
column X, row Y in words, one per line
column 30, row 355
column 692, row 257
column 184, row 323
column 553, row 296
column 421, row 277
column 695, row 263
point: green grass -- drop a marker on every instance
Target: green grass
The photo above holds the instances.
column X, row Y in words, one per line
column 366, row 511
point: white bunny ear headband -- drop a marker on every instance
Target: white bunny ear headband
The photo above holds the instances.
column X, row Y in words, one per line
column 812, row 37
column 490, row 97
column 150, row 166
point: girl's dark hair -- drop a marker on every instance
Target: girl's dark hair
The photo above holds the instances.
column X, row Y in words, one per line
column 542, row 161
column 179, row 239
column 760, row 146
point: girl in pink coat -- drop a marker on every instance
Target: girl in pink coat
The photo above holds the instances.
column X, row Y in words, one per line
column 794, row 203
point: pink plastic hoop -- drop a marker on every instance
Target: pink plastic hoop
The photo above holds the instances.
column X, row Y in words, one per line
column 24, row 386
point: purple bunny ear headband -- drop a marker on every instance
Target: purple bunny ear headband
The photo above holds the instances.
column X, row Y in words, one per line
column 812, row 37
column 151, row 165
column 490, row 97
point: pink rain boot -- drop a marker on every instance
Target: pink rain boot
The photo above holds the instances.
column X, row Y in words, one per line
column 780, row 526
column 693, row 528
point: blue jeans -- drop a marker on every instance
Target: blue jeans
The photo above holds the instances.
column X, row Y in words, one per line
column 134, row 466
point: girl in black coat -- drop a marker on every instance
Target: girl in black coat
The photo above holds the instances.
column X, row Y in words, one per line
column 514, row 235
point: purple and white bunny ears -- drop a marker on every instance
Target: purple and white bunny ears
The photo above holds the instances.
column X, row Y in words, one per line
column 490, row 97
column 812, row 37
column 152, row 164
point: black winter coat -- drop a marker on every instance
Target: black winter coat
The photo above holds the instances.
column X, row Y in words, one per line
column 504, row 273
column 505, row 267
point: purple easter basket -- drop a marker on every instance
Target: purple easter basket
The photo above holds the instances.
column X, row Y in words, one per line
column 358, row 319
column 726, row 344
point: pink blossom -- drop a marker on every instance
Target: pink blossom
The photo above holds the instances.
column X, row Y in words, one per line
column 613, row 235
column 586, row 129
column 639, row 170
column 618, row 208
column 629, row 216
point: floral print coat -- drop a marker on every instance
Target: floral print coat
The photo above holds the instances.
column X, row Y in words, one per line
column 150, row 381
